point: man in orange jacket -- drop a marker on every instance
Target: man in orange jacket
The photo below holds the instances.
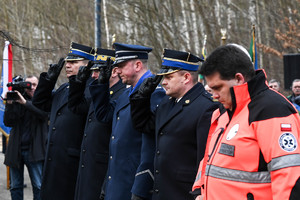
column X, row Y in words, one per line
column 252, row 150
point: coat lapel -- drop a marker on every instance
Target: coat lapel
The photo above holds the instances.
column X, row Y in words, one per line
column 169, row 111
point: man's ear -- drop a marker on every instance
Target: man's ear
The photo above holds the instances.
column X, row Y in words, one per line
column 114, row 72
column 188, row 77
column 138, row 65
column 240, row 79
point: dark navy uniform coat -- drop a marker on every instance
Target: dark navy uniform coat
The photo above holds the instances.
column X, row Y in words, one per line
column 64, row 141
column 95, row 143
column 130, row 167
column 181, row 131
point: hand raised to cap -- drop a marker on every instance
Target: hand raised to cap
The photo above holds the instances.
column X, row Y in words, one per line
column 54, row 70
column 84, row 72
column 105, row 72
column 148, row 85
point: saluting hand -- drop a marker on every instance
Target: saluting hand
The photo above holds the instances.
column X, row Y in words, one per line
column 54, row 70
column 84, row 72
column 148, row 85
column 105, row 72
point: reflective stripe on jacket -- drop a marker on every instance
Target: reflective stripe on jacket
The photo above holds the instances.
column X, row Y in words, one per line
column 255, row 153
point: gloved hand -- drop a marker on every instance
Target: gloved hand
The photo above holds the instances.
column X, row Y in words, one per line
column 105, row 72
column 84, row 72
column 54, row 70
column 148, row 86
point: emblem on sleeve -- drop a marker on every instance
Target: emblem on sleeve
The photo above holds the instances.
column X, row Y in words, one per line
column 288, row 142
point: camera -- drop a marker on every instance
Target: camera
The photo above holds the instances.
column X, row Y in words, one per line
column 18, row 84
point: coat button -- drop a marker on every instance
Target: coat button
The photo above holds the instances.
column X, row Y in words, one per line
column 83, row 150
column 90, row 119
column 53, row 128
column 156, row 190
column 59, row 113
column 82, row 165
column 85, row 135
column 110, row 157
column 157, row 152
column 161, row 133
column 118, row 118
column 109, row 177
column 112, row 137
column 49, row 159
column 156, row 171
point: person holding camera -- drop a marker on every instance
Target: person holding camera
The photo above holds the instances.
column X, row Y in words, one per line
column 27, row 140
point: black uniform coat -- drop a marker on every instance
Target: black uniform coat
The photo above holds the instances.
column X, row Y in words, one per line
column 95, row 143
column 181, row 132
column 13, row 115
column 131, row 153
column 64, row 141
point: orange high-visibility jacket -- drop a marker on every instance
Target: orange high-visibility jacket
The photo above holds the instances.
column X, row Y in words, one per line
column 253, row 152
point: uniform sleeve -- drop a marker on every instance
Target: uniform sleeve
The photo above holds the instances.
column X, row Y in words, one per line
column 103, row 106
column 78, row 103
column 42, row 98
column 143, row 183
column 278, row 139
column 40, row 114
column 143, row 118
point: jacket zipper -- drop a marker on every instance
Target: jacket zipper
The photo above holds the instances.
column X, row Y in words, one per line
column 217, row 140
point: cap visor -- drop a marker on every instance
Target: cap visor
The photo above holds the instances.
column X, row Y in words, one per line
column 73, row 58
column 166, row 71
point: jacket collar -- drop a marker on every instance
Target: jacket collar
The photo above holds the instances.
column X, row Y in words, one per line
column 242, row 94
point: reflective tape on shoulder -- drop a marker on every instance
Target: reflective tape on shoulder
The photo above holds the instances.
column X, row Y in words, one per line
column 291, row 160
column 237, row 175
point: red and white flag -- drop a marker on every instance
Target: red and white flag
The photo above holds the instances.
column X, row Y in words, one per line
column 6, row 77
column 6, row 67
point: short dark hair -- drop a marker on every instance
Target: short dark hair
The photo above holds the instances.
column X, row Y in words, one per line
column 194, row 74
column 228, row 60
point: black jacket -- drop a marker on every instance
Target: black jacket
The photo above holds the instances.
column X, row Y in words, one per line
column 13, row 116
column 181, row 131
column 95, row 143
column 64, row 141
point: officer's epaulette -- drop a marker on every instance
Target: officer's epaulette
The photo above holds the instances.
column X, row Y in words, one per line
column 209, row 96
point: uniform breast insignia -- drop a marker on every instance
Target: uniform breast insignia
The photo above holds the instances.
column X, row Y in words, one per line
column 288, row 142
column 232, row 132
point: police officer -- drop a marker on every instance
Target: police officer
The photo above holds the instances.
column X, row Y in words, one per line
column 130, row 169
column 65, row 129
column 181, row 123
column 94, row 149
